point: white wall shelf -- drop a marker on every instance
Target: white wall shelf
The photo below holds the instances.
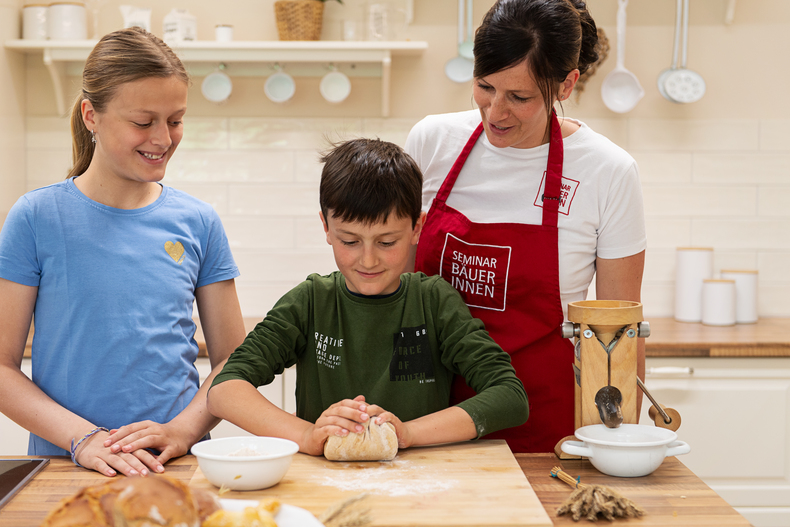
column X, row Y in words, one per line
column 60, row 55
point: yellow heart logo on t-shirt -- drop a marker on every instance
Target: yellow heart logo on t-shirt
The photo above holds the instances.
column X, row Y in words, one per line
column 176, row 251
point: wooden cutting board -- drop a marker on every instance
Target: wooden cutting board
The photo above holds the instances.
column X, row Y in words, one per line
column 459, row 485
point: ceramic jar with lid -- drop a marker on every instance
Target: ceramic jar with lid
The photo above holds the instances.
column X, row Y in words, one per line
column 34, row 21
column 67, row 21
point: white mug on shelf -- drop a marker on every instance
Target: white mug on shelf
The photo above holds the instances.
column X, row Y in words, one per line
column 34, row 21
column 718, row 302
column 67, row 21
column 745, row 294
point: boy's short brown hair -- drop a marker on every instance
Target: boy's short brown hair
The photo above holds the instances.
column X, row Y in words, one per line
column 364, row 180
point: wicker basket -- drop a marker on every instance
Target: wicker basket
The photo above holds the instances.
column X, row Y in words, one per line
column 299, row 19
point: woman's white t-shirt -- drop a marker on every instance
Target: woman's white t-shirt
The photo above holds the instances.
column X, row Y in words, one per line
column 601, row 212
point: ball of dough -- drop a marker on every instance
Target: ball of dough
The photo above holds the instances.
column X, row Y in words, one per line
column 374, row 443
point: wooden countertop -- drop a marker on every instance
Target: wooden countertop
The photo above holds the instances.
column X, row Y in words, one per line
column 672, row 495
column 769, row 337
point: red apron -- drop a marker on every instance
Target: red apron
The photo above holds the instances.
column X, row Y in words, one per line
column 508, row 275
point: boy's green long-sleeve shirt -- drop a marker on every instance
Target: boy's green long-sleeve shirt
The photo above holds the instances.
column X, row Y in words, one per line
column 400, row 352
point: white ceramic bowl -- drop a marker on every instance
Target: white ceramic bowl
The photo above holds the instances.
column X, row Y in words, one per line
column 335, row 87
column 629, row 451
column 279, row 87
column 216, row 87
column 245, row 472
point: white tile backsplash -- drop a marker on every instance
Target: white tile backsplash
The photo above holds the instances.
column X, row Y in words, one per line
column 664, row 167
column 773, row 201
column 752, row 168
column 699, row 200
column 775, row 134
column 718, row 183
column 687, row 135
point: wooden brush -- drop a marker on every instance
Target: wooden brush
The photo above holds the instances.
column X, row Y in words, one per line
column 590, row 501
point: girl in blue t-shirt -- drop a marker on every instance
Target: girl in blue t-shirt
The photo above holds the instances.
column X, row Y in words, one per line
column 110, row 263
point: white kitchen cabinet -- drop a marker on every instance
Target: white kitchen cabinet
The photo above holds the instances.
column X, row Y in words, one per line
column 280, row 392
column 13, row 438
column 736, row 417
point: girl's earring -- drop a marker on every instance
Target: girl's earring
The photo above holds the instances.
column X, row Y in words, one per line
column 93, row 137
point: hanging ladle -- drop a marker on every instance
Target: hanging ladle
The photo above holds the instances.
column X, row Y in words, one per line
column 621, row 90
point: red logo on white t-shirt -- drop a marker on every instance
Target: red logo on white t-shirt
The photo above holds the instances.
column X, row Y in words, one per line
column 479, row 272
column 567, row 192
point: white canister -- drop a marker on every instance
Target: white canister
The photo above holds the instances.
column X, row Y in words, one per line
column 34, row 21
column 694, row 264
column 223, row 33
column 67, row 21
column 745, row 294
column 718, row 302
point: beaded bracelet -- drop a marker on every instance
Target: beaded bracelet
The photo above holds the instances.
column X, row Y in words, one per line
column 74, row 446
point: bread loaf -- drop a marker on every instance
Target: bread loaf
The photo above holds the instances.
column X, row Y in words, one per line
column 374, row 443
column 134, row 502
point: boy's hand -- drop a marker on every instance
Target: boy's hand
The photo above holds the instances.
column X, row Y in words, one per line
column 402, row 430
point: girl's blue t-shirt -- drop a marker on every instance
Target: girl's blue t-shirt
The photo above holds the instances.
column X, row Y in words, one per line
column 114, row 335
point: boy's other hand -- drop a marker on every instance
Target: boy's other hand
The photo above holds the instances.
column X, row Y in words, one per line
column 402, row 430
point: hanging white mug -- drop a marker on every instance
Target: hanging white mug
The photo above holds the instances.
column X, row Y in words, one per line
column 279, row 87
column 335, row 87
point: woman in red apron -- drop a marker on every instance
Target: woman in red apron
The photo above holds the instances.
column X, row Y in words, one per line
column 528, row 55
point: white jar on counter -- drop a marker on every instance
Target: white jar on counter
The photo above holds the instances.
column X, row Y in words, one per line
column 67, row 21
column 718, row 302
column 34, row 21
column 745, row 294
column 693, row 265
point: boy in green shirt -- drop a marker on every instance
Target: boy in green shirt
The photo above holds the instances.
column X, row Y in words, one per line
column 369, row 341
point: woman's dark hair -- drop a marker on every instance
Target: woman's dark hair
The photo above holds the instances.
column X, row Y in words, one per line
column 126, row 55
column 364, row 180
column 553, row 36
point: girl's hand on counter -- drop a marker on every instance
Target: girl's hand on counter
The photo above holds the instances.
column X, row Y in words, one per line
column 134, row 438
column 92, row 454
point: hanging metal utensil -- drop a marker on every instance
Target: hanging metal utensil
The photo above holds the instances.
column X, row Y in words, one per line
column 460, row 69
column 662, row 78
column 684, row 85
column 662, row 416
column 621, row 90
column 609, row 399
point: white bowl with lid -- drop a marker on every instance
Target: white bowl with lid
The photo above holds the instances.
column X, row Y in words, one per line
column 628, row 451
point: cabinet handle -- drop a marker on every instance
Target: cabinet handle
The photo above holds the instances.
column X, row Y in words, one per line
column 670, row 370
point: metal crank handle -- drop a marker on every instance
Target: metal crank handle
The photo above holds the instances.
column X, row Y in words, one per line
column 660, row 409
